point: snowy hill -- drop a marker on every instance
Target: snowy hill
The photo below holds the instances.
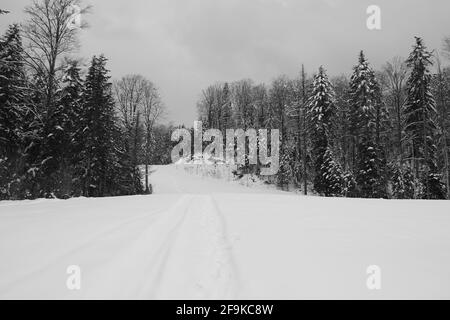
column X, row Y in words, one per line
column 205, row 238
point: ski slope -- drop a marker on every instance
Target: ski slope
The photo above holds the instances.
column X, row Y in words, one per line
column 204, row 238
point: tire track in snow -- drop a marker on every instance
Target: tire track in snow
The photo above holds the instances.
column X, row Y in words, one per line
column 169, row 258
column 152, row 285
column 144, row 259
column 178, row 252
column 222, row 280
column 199, row 264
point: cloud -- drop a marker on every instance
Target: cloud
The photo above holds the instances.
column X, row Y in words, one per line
column 185, row 45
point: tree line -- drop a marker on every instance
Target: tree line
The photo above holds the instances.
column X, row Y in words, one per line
column 376, row 134
column 67, row 130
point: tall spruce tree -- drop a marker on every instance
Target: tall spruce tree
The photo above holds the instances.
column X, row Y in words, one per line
column 106, row 167
column 11, row 87
column 364, row 118
column 97, row 117
column 420, row 111
column 69, row 108
column 332, row 174
column 57, row 151
column 11, row 77
column 321, row 109
column 98, row 157
column 71, row 103
column 17, row 122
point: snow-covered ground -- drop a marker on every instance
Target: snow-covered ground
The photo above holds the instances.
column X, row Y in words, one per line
column 202, row 238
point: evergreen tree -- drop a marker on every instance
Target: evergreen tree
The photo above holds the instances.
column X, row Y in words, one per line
column 11, row 87
column 69, row 109
column 16, row 120
column 128, row 180
column 369, row 180
column 332, row 175
column 71, row 104
column 433, row 187
column 106, row 168
column 59, row 149
column 285, row 171
column 328, row 177
column 367, row 161
column 420, row 110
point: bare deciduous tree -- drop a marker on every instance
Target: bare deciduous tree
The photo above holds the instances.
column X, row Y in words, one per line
column 206, row 107
column 153, row 110
column 129, row 95
column 395, row 72
column 243, row 104
column 137, row 98
column 50, row 33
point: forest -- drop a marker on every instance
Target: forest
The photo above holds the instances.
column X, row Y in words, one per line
column 376, row 134
column 68, row 130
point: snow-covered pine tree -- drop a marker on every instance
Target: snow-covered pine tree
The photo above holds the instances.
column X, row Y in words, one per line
column 433, row 187
column 106, row 170
column 70, row 130
column 98, row 159
column 320, row 106
column 128, row 177
column 332, row 175
column 11, row 86
column 15, row 120
column 369, row 178
column 367, row 162
column 285, row 172
column 59, row 150
column 70, row 100
column 420, row 110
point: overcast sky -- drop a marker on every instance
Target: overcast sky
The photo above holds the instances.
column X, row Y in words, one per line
column 185, row 45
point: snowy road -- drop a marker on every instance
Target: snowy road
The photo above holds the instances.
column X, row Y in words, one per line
column 204, row 238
